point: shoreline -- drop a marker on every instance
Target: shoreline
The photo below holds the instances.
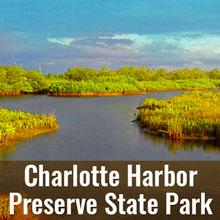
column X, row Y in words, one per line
column 19, row 125
column 164, row 134
column 155, row 121
column 24, row 134
column 103, row 94
column 5, row 94
column 106, row 94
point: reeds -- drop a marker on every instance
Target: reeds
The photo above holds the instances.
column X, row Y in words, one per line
column 194, row 115
column 17, row 124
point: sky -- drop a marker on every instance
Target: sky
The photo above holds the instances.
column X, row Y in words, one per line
column 54, row 35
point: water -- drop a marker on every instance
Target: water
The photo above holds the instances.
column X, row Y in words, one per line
column 98, row 129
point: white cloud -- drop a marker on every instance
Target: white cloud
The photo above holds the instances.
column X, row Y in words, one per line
column 206, row 44
column 65, row 41
column 185, row 49
column 183, row 44
column 137, row 41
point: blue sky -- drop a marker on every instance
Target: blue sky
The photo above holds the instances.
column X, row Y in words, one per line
column 58, row 34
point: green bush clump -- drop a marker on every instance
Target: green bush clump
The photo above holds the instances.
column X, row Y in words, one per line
column 81, row 80
column 14, row 79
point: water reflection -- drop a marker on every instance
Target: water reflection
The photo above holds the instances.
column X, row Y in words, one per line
column 186, row 145
column 99, row 129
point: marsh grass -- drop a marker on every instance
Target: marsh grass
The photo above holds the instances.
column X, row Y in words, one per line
column 121, row 86
column 17, row 125
column 193, row 115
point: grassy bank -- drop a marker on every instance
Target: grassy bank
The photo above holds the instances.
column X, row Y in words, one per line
column 17, row 125
column 193, row 115
column 79, row 81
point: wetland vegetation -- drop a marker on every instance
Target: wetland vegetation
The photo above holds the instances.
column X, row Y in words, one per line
column 190, row 116
column 16, row 125
column 194, row 115
column 100, row 128
column 80, row 81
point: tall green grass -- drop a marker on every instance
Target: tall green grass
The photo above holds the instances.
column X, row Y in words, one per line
column 193, row 115
column 17, row 124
